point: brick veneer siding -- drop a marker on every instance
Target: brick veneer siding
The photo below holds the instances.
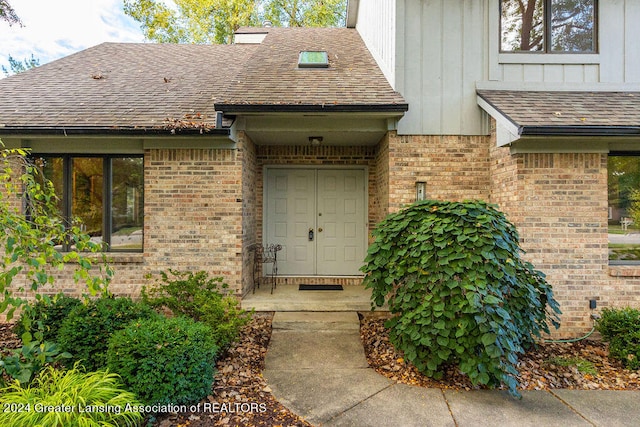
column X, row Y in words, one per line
column 193, row 212
column 379, row 207
column 558, row 202
column 250, row 197
column 453, row 167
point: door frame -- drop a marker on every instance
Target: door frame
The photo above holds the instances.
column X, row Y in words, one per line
column 365, row 218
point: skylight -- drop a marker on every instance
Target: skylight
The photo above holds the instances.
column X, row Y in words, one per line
column 313, row 59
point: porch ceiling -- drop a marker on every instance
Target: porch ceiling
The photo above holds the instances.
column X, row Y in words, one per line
column 296, row 129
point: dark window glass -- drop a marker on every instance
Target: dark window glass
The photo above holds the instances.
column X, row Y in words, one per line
column 105, row 193
column 126, row 203
column 548, row 26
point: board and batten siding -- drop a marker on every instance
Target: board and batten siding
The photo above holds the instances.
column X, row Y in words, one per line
column 377, row 27
column 441, row 50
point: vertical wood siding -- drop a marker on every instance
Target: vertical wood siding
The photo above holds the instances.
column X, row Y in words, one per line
column 435, row 51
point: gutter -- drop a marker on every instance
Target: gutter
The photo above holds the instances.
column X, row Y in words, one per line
column 579, row 130
column 311, row 108
column 99, row 131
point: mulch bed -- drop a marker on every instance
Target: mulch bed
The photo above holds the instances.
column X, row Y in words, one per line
column 241, row 396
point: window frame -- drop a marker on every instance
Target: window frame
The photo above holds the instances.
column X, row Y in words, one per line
column 620, row 262
column 547, row 35
column 107, row 193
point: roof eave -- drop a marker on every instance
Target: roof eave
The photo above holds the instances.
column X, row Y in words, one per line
column 94, row 131
column 579, row 130
column 399, row 108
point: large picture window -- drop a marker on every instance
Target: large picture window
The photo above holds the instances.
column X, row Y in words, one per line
column 624, row 207
column 104, row 192
column 551, row 26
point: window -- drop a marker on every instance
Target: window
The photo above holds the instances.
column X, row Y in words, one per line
column 548, row 26
column 104, row 192
column 624, row 207
column 313, row 59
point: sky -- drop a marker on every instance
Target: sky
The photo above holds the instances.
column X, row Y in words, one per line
column 56, row 28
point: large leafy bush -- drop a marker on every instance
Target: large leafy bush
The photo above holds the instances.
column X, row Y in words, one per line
column 86, row 330
column 165, row 360
column 621, row 328
column 460, row 293
column 43, row 403
column 30, row 242
column 202, row 298
column 45, row 316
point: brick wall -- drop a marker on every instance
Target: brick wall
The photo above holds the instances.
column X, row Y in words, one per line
column 250, row 197
column 453, row 167
column 193, row 212
column 558, row 202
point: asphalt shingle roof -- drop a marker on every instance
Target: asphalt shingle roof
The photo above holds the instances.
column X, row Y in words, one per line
column 546, row 110
column 273, row 79
column 116, row 86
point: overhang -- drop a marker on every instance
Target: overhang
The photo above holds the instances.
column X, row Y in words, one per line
column 588, row 117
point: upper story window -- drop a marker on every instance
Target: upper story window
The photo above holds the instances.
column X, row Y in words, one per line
column 548, row 26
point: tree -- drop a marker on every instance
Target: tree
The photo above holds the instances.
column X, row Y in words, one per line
column 215, row 21
column 31, row 229
column 16, row 66
column 301, row 13
column 7, row 13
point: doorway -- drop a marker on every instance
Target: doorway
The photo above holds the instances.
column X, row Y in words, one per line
column 318, row 215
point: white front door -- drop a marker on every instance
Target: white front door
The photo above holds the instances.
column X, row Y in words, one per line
column 319, row 218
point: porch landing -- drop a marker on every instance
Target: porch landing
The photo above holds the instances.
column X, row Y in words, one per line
column 287, row 297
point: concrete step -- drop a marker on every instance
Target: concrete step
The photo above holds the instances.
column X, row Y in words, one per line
column 315, row 321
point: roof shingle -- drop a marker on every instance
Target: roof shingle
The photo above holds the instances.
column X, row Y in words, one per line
column 528, row 109
column 141, row 86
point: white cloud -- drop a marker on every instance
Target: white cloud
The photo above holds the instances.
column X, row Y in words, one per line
column 56, row 28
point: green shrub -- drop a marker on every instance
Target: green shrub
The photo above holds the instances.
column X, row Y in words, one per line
column 165, row 360
column 25, row 362
column 621, row 328
column 452, row 275
column 45, row 316
column 72, row 389
column 86, row 330
column 201, row 298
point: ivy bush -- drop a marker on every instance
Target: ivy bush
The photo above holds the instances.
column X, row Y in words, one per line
column 202, row 298
column 80, row 392
column 86, row 330
column 452, row 275
column 165, row 360
column 621, row 328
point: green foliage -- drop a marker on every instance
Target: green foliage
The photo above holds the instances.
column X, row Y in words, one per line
column 16, row 66
column 165, row 360
column 621, row 328
column 634, row 207
column 23, row 363
column 452, row 275
column 582, row 365
column 8, row 14
column 73, row 389
column 201, row 298
column 86, row 330
column 43, row 318
column 215, row 21
column 30, row 241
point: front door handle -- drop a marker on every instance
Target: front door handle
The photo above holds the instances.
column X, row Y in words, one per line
column 320, row 230
column 311, row 234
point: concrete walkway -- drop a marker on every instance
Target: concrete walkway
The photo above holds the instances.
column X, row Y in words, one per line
column 316, row 367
